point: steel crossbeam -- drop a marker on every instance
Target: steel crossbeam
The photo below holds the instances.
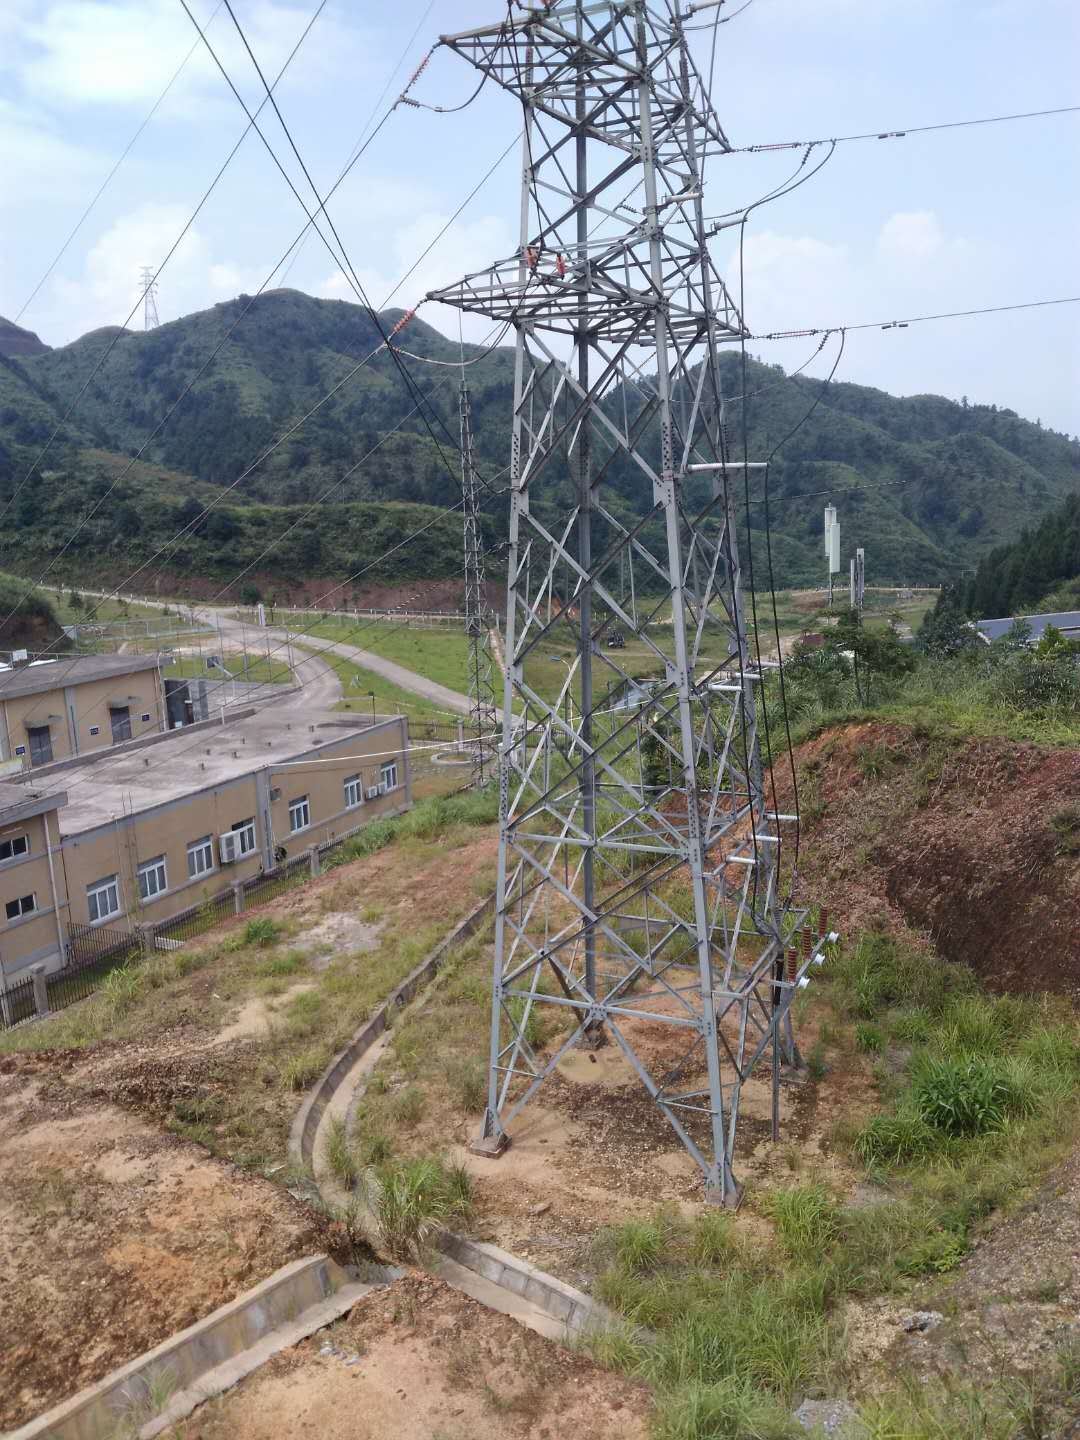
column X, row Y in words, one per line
column 638, row 878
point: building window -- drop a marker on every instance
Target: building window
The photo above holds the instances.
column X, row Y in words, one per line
column 25, row 905
column 299, row 814
column 354, row 791
column 13, row 847
column 95, row 729
column 103, row 900
column 120, row 720
column 200, row 857
column 245, row 836
column 152, row 878
column 40, row 745
column 388, row 775
column 145, row 717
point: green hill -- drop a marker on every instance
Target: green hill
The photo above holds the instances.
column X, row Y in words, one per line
column 929, row 487
column 1038, row 571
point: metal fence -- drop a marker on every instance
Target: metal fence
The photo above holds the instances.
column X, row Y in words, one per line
column 17, row 1004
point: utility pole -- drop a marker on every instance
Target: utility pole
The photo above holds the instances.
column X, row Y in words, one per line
column 148, row 282
column 482, row 707
column 618, row 312
column 858, row 581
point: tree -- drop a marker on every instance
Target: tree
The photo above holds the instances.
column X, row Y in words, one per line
column 878, row 653
column 250, row 594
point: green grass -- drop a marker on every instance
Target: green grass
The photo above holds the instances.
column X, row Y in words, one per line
column 411, row 1198
column 359, row 685
column 439, row 653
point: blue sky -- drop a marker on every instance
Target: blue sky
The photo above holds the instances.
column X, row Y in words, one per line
column 940, row 222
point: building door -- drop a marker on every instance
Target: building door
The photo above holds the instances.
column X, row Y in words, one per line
column 120, row 719
column 40, row 745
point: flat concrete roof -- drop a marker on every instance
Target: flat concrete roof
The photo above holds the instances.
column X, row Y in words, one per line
column 1067, row 621
column 42, row 675
column 108, row 786
column 19, row 802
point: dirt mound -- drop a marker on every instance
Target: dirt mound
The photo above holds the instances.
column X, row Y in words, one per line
column 974, row 841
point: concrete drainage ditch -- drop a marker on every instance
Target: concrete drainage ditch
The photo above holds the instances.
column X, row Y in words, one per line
column 162, row 1386
column 488, row 1274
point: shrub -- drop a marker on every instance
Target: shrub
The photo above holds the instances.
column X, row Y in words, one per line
column 410, row 1198
column 638, row 1244
column 262, row 931
column 339, row 1155
column 970, row 1097
column 407, row 1106
column 805, row 1217
column 713, row 1237
column 869, row 1039
column 1066, row 830
column 895, row 1139
column 299, row 1071
column 468, row 1080
column 730, row 1409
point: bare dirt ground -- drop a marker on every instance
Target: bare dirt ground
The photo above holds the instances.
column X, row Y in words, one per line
column 955, row 838
column 115, row 1237
column 419, row 1361
column 592, row 1149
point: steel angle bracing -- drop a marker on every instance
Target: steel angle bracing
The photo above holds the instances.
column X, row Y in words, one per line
column 638, row 880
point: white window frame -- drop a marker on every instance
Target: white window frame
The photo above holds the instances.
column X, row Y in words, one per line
column 23, row 908
column 200, row 857
column 102, row 888
column 13, row 840
column 300, row 806
column 355, row 784
column 388, row 774
column 246, row 840
column 152, row 871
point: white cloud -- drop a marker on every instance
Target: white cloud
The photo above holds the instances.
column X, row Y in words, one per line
column 109, row 289
column 911, row 235
column 467, row 246
column 121, row 52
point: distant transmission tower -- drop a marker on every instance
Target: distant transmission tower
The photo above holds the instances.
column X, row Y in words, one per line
column 149, row 286
column 639, row 871
column 478, row 618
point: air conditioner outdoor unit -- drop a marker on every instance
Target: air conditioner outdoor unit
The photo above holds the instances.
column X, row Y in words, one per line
column 383, row 787
column 227, row 847
column 373, row 792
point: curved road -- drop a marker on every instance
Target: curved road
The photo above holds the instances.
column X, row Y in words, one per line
column 320, row 686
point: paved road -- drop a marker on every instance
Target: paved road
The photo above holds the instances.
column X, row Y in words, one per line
column 321, row 686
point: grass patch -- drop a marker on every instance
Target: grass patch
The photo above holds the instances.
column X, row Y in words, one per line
column 411, row 1198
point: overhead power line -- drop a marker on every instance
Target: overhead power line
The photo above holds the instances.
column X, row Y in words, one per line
column 903, row 134
column 109, row 178
column 914, row 319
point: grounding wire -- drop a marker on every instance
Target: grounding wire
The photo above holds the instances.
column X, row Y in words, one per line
column 371, row 117
column 916, row 319
column 347, row 268
column 903, row 134
column 108, row 178
column 122, row 330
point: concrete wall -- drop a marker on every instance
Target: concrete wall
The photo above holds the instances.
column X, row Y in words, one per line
column 31, row 938
column 73, row 712
column 121, row 846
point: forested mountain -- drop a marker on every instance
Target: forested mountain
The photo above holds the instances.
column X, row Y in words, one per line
column 927, row 486
column 1039, row 571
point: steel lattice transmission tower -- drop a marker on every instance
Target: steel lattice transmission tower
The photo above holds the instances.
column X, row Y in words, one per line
column 149, row 287
column 478, row 618
column 638, row 863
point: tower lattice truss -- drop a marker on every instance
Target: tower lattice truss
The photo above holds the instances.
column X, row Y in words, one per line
column 478, row 618
column 638, row 889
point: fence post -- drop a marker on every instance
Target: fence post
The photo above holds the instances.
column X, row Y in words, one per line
column 313, row 856
column 238, row 897
column 145, row 933
column 41, row 990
